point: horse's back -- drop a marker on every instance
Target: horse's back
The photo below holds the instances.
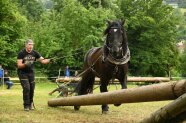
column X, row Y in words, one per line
column 93, row 55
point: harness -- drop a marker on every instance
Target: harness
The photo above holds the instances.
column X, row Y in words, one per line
column 92, row 51
column 125, row 57
column 123, row 60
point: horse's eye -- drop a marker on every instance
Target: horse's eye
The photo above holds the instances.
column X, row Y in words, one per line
column 110, row 42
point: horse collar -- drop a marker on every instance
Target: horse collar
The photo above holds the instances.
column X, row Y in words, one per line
column 121, row 61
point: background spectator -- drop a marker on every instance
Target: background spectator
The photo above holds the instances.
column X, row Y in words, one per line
column 67, row 72
column 7, row 80
column 1, row 74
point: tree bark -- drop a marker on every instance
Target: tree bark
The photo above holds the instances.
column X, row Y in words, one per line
column 174, row 112
column 155, row 92
column 129, row 79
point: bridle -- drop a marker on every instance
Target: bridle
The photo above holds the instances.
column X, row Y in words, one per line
column 124, row 57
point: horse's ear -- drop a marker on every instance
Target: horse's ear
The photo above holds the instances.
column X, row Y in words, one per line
column 108, row 22
column 122, row 21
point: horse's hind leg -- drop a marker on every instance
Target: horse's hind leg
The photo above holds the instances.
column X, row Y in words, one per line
column 85, row 85
column 103, row 88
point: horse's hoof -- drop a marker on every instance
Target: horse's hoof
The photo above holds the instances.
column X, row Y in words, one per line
column 76, row 108
column 117, row 104
column 105, row 112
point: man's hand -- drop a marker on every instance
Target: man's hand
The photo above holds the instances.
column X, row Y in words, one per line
column 45, row 61
column 28, row 64
column 51, row 60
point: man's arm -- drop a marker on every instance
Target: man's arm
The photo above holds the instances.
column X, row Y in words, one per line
column 44, row 61
column 20, row 64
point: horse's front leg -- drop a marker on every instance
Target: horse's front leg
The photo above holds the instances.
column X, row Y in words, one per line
column 103, row 88
column 123, row 82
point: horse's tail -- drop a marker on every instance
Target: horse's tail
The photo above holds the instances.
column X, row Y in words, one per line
column 85, row 85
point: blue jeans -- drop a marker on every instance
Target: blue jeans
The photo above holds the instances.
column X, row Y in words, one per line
column 9, row 84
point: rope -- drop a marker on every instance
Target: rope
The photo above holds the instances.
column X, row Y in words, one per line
column 56, row 58
column 89, row 68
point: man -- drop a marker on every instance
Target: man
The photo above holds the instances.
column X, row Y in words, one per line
column 25, row 64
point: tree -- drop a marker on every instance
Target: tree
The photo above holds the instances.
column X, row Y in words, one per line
column 151, row 35
column 183, row 63
column 67, row 32
column 11, row 28
column 180, row 24
column 32, row 9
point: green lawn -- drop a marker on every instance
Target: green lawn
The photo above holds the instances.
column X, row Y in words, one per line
column 11, row 109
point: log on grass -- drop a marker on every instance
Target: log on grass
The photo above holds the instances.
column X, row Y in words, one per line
column 173, row 112
column 181, row 118
column 155, row 92
column 129, row 79
column 148, row 79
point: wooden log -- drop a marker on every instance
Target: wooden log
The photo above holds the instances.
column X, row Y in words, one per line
column 169, row 112
column 130, row 79
column 148, row 79
column 181, row 118
column 155, row 92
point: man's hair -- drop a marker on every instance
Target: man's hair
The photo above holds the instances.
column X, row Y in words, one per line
column 29, row 41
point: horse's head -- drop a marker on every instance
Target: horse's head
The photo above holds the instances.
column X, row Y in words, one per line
column 115, row 38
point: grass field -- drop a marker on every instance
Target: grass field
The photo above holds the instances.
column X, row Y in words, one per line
column 11, row 109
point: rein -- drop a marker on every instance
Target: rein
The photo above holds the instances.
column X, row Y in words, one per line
column 79, row 75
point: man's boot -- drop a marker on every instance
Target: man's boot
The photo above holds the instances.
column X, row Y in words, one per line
column 26, row 108
column 32, row 106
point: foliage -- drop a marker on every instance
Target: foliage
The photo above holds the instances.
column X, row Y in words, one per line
column 97, row 3
column 183, row 63
column 151, row 35
column 32, row 9
column 181, row 32
column 66, row 30
column 180, row 24
column 11, row 28
column 61, row 32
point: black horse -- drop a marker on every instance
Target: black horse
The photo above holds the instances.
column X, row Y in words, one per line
column 107, row 62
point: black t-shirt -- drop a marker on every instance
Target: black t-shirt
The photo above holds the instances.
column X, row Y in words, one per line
column 25, row 56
